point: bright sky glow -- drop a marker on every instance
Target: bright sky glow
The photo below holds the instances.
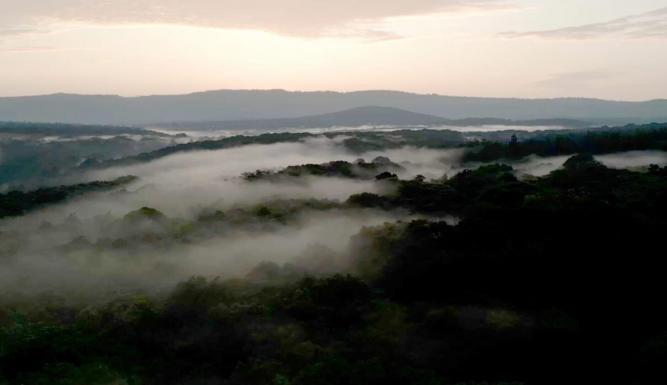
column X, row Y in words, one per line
column 613, row 49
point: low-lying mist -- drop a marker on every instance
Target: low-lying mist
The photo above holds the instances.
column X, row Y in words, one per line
column 76, row 259
column 178, row 183
column 221, row 133
column 89, row 247
column 540, row 166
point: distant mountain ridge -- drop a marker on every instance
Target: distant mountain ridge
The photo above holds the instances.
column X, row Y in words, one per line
column 229, row 105
column 368, row 116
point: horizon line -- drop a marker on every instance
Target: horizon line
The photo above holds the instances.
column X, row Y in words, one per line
column 326, row 92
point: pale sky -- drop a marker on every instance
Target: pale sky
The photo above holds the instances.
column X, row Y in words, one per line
column 612, row 49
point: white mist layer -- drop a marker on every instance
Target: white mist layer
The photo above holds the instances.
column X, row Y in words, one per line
column 43, row 265
column 181, row 185
column 541, row 166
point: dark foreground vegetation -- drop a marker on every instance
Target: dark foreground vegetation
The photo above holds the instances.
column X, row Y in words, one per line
column 553, row 280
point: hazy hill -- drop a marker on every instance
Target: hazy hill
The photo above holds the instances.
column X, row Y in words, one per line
column 368, row 115
column 228, row 105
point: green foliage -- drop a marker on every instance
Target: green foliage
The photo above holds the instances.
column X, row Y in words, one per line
column 67, row 374
column 487, row 185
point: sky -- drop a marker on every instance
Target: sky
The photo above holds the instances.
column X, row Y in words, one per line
column 610, row 49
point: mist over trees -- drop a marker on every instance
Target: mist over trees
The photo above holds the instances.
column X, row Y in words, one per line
column 152, row 235
column 34, row 155
column 418, row 257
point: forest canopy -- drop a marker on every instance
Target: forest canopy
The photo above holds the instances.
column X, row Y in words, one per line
column 486, row 295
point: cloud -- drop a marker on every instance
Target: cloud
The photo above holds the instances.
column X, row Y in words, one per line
column 646, row 25
column 290, row 17
column 367, row 34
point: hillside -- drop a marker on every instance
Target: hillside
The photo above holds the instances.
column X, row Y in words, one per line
column 367, row 116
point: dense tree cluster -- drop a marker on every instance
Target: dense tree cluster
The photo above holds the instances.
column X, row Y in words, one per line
column 359, row 169
column 596, row 141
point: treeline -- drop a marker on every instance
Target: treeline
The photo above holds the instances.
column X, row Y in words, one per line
column 357, row 142
column 582, row 181
column 204, row 145
column 599, row 141
column 487, row 146
column 360, row 169
column 16, row 203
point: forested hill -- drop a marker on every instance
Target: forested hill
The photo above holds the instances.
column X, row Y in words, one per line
column 369, row 116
